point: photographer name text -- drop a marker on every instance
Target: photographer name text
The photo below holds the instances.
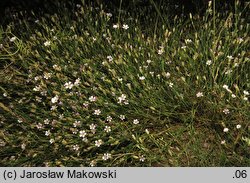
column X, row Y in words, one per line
column 69, row 174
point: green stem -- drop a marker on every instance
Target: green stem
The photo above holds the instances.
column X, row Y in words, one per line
column 214, row 17
column 119, row 15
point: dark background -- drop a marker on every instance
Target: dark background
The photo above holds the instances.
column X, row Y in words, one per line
column 9, row 7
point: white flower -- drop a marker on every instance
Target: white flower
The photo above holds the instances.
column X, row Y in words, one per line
column 37, row 78
column 236, row 64
column 2, row 143
column 149, row 61
column 122, row 117
column 54, row 107
column 245, row 98
column 141, row 78
column 225, row 130
column 188, row 41
column 170, row 85
column 228, row 71
column 98, row 143
column 106, row 156
column 77, row 123
column 128, row 85
column 23, row 146
column 125, row 26
column 61, row 116
column 54, row 99
column 40, row 126
column 151, row 73
column 110, row 58
column 115, row 26
column 238, row 126
column 68, row 85
column 107, row 129
column 47, row 43
column 43, row 93
column 56, row 67
column 240, row 40
column 233, row 96
column 168, row 75
column 160, row 51
column 199, row 94
column 19, row 121
column 223, row 142
column 82, row 133
column 75, row 147
column 13, row 39
column 74, row 130
column 209, row 62
column 122, row 98
column 52, row 141
column 97, row 112
column 77, row 82
column 47, row 133
column 136, row 121
column 109, row 118
column 78, row 6
column 92, row 98
column 92, row 126
column 37, row 88
column 230, row 57
column 46, row 121
column 92, row 163
column 142, row 158
column 226, row 111
column 109, row 15
column 246, row 92
column 225, row 87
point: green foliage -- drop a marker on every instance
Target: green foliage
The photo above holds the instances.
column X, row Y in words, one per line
column 90, row 88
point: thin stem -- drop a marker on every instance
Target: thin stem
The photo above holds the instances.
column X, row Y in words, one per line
column 119, row 15
column 214, row 17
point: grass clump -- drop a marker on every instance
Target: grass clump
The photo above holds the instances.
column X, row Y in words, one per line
column 90, row 88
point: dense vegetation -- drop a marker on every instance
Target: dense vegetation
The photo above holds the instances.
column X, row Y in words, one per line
column 86, row 87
